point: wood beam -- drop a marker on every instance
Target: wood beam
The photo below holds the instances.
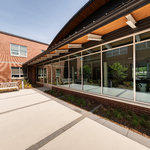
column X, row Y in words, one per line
column 62, row 51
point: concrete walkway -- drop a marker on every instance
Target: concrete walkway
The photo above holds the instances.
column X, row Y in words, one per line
column 31, row 119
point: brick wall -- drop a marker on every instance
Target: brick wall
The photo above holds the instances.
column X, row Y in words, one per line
column 7, row 61
column 32, row 71
column 109, row 102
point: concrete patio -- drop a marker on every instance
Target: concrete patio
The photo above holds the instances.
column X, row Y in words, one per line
column 31, row 119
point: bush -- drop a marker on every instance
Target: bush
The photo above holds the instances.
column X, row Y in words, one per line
column 135, row 123
column 117, row 114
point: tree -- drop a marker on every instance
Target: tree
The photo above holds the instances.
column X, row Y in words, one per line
column 118, row 73
column 87, row 72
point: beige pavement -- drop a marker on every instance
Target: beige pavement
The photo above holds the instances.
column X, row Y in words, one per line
column 31, row 120
column 89, row 135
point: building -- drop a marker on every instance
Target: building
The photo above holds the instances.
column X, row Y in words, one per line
column 103, row 51
column 14, row 51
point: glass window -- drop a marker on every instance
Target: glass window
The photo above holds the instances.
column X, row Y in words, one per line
column 63, row 58
column 143, row 72
column 116, row 52
column 18, row 50
column 45, row 75
column 23, row 51
column 118, row 43
column 118, row 72
column 21, row 72
column 56, row 73
column 142, row 37
column 92, row 73
column 75, row 55
column 40, row 75
column 17, row 72
column 64, row 73
column 75, row 73
column 49, row 72
column 97, row 49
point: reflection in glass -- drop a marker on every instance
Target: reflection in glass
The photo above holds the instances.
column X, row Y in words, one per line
column 49, row 72
column 118, row 43
column 143, row 72
column 40, row 75
column 45, row 75
column 75, row 73
column 117, row 72
column 75, row 55
column 64, row 73
column 92, row 73
column 94, row 50
column 143, row 36
column 56, row 70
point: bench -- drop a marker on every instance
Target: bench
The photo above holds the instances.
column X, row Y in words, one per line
column 8, row 85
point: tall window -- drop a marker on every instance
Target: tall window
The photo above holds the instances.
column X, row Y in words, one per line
column 18, row 50
column 18, row 72
column 75, row 73
column 118, row 72
column 92, row 73
column 143, row 71
column 64, row 73
column 40, row 75
column 56, row 69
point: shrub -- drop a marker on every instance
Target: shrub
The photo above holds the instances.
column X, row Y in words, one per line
column 135, row 123
column 117, row 114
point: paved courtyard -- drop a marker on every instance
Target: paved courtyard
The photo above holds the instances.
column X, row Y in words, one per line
column 30, row 119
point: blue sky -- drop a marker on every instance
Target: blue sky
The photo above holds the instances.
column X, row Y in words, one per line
column 37, row 19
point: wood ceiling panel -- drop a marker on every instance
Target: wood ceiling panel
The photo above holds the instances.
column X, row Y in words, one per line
column 141, row 13
column 81, row 40
column 138, row 14
column 117, row 24
column 64, row 47
column 53, row 52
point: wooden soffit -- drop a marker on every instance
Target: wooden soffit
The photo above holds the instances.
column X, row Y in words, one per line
column 138, row 15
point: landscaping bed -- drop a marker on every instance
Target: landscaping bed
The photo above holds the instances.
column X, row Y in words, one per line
column 140, row 123
column 87, row 104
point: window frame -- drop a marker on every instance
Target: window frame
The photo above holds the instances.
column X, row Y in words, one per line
column 134, row 43
column 19, row 52
column 20, row 75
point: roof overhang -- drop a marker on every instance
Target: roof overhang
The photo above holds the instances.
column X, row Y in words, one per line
column 116, row 19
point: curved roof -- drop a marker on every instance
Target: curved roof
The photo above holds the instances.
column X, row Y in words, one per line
column 89, row 8
column 94, row 17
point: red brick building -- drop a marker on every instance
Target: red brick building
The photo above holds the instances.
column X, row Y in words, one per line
column 14, row 51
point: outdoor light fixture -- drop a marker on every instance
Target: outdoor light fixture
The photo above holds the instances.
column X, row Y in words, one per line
column 62, row 51
column 94, row 37
column 131, row 21
column 74, row 45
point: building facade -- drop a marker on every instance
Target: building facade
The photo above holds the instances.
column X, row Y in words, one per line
column 102, row 51
column 14, row 51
